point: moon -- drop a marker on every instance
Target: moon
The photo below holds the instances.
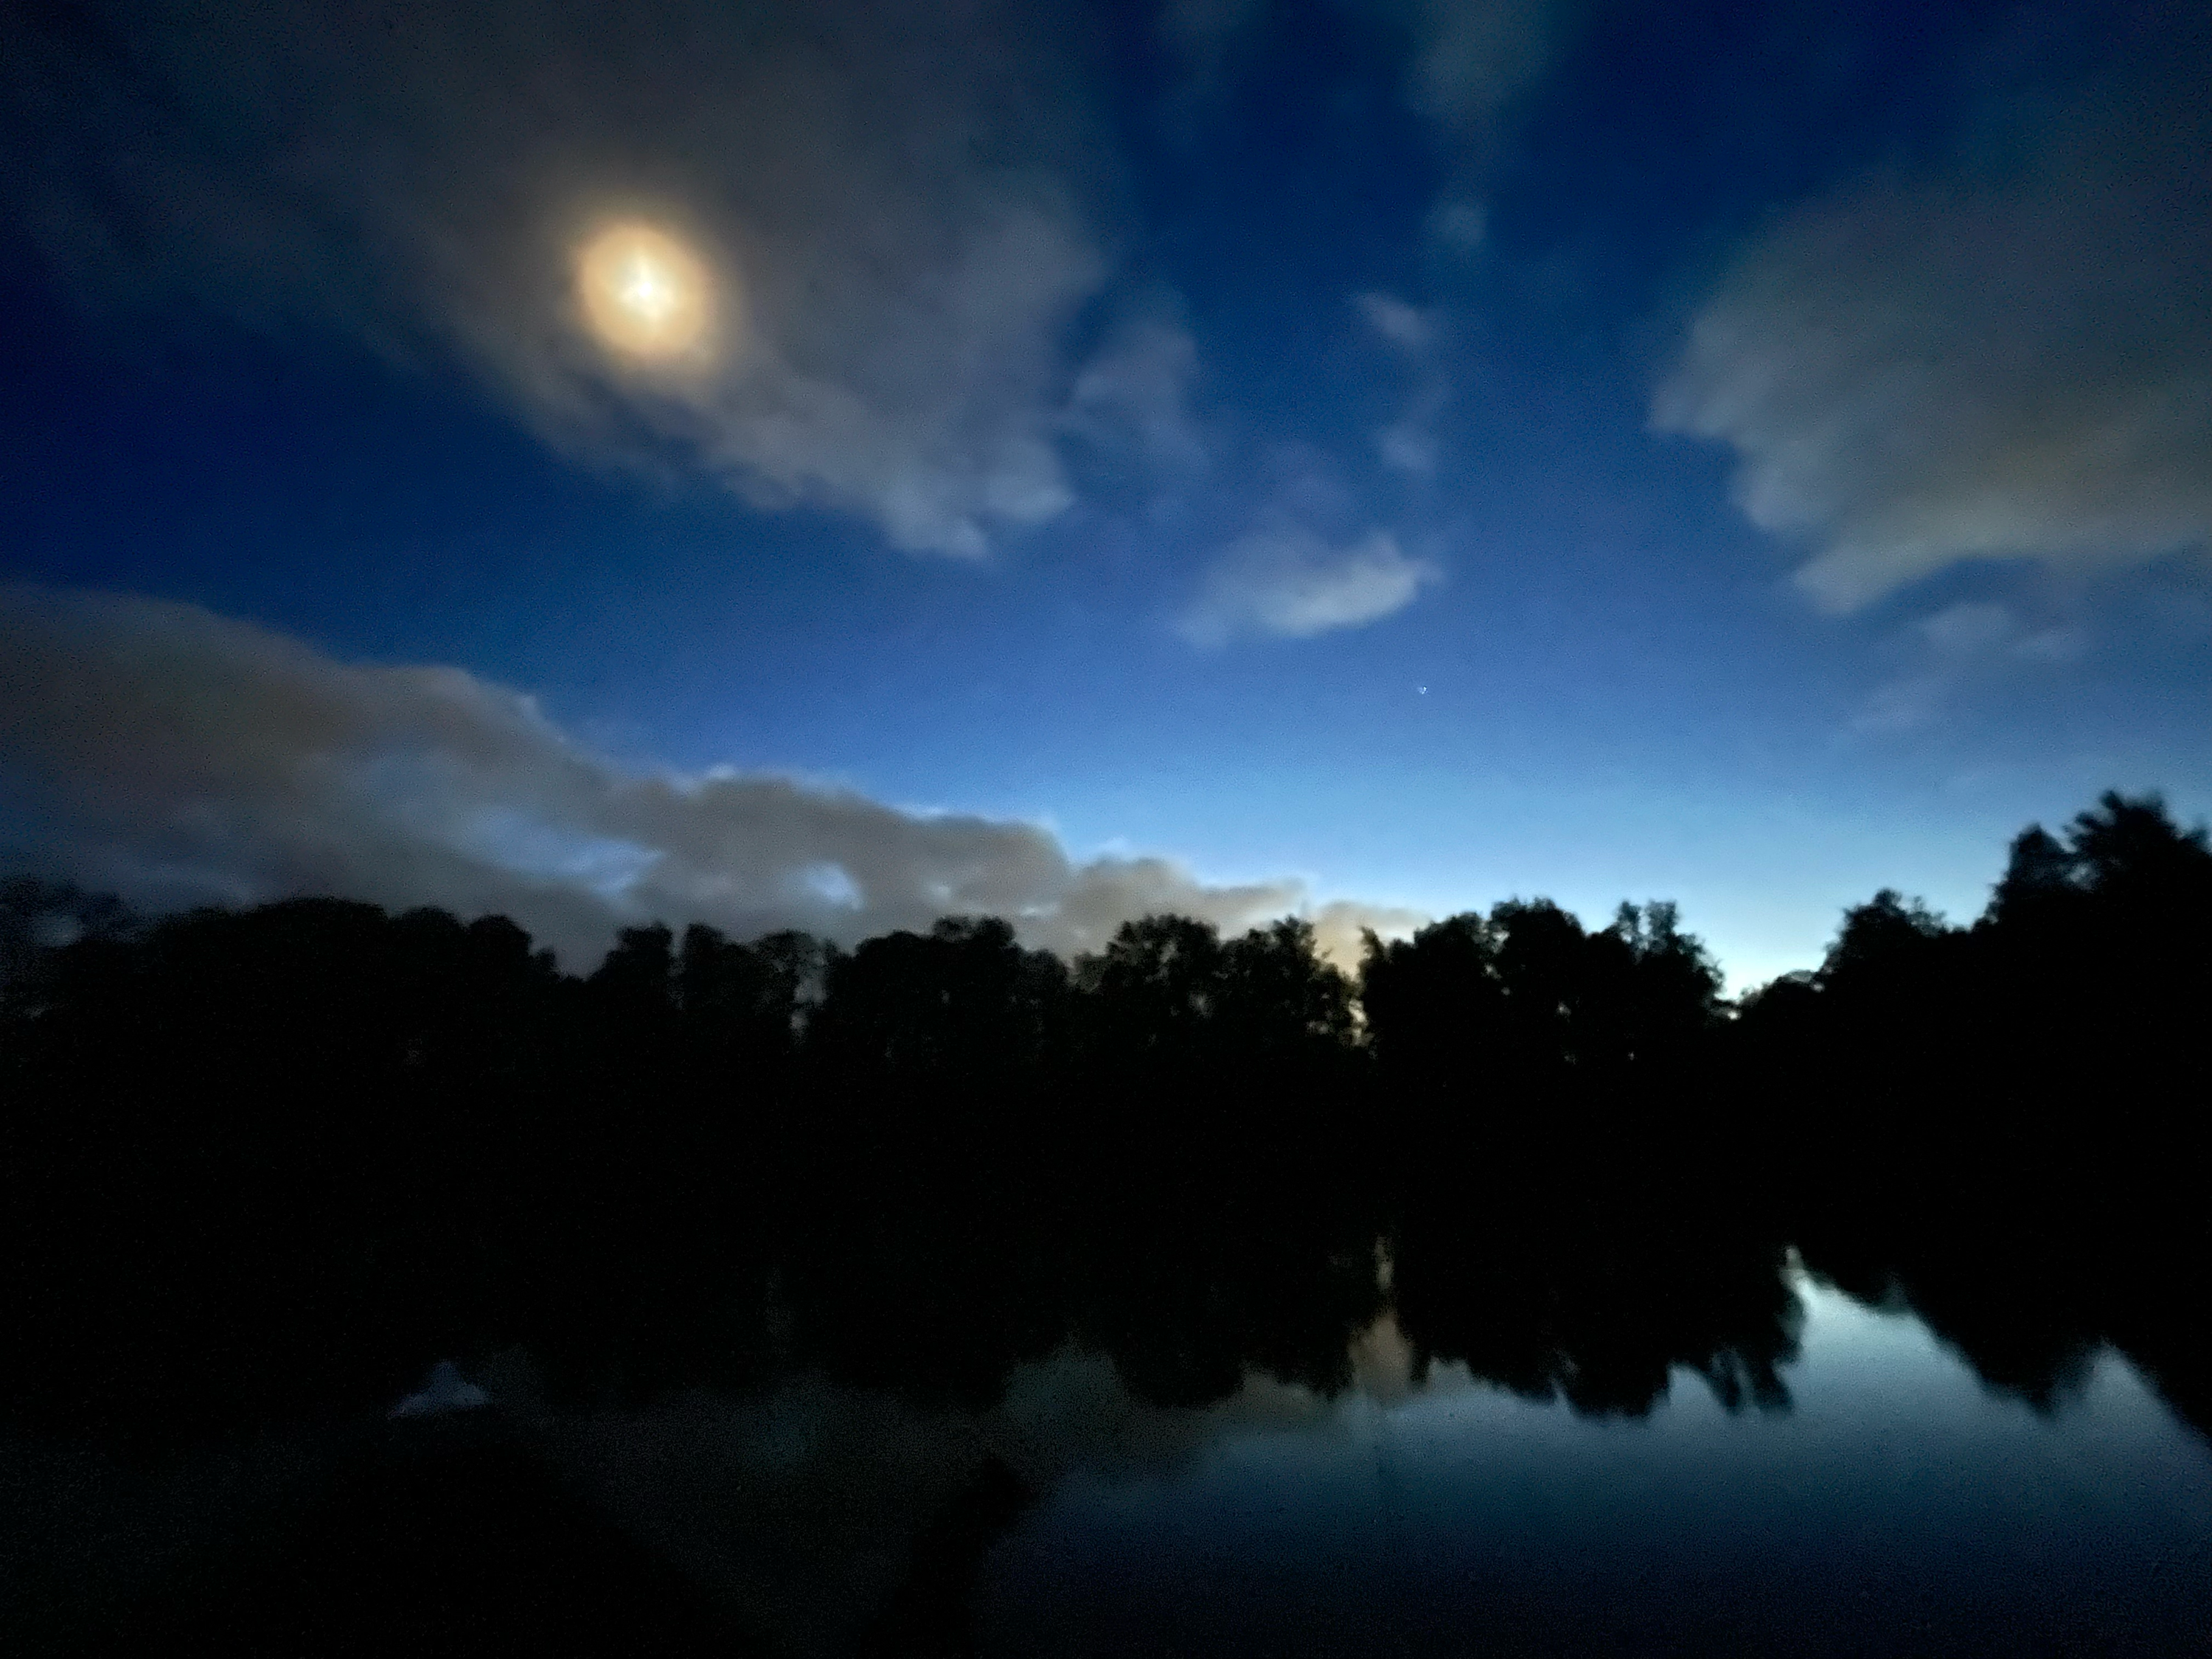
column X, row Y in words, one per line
column 646, row 294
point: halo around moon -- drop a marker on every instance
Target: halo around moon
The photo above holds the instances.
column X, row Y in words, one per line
column 646, row 295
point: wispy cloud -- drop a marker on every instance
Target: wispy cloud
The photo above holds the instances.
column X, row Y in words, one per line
column 2010, row 357
column 1404, row 326
column 1408, row 444
column 1458, row 225
column 181, row 758
column 1130, row 402
column 1472, row 58
column 1972, row 640
column 1289, row 584
column 1472, row 63
column 895, row 203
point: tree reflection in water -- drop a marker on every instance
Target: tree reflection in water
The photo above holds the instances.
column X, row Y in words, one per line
column 264, row 1167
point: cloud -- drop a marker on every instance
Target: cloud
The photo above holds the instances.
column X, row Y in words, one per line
column 1971, row 641
column 1408, row 444
column 1406, row 326
column 1458, row 225
column 1340, row 926
column 1472, row 58
column 1130, row 402
column 908, row 206
column 1289, row 584
column 2008, row 358
column 181, row 758
column 1472, row 61
column 1968, row 629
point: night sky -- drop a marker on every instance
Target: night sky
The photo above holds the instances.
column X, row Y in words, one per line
column 1224, row 457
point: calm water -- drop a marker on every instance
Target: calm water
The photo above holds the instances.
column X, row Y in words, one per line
column 1897, row 1506
column 1894, row 1505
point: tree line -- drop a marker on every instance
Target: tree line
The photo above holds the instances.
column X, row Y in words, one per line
column 266, row 1162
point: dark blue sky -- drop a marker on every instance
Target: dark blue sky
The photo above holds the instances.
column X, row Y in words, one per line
column 1744, row 453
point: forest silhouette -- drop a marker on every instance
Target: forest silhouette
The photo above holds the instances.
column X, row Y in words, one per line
column 264, row 1163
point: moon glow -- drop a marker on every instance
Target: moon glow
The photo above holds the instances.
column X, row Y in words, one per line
column 646, row 294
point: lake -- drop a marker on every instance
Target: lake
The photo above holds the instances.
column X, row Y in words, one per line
column 1878, row 1496
column 1894, row 1503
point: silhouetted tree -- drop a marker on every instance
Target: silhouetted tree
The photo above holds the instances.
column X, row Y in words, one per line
column 251, row 1159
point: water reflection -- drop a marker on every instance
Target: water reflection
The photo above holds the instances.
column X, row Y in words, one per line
column 1676, row 1456
column 1636, row 1409
column 1899, row 1506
